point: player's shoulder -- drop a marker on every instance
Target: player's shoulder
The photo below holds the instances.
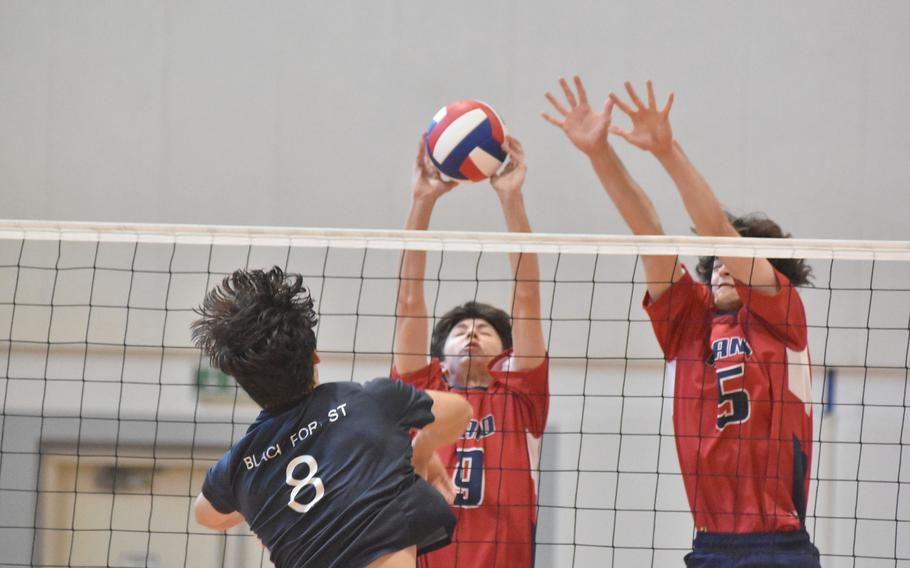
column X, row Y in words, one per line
column 343, row 387
column 379, row 387
column 507, row 364
column 385, row 386
column 431, row 372
column 684, row 290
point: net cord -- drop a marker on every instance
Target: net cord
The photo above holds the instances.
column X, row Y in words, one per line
column 463, row 241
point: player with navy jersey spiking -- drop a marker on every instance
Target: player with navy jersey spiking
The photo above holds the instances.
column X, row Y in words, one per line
column 327, row 475
column 736, row 347
column 501, row 368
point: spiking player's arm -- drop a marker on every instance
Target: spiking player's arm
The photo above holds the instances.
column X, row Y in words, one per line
column 452, row 414
column 528, row 345
column 209, row 517
column 651, row 132
column 412, row 328
column 588, row 130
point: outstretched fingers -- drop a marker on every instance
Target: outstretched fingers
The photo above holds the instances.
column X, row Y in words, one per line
column 570, row 96
column 551, row 120
column 652, row 102
column 507, row 147
column 634, row 96
column 426, row 164
column 666, row 110
column 556, row 104
column 582, row 94
column 421, row 151
column 622, row 106
column 514, row 149
column 608, row 108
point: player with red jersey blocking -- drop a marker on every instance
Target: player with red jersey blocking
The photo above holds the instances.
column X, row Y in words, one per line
column 500, row 367
column 735, row 344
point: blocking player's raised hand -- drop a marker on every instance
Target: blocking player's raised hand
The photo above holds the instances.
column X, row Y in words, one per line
column 512, row 176
column 426, row 181
column 650, row 125
column 411, row 325
column 528, row 344
column 585, row 127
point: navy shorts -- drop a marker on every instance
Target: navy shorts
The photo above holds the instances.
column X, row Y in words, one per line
column 753, row 550
column 418, row 515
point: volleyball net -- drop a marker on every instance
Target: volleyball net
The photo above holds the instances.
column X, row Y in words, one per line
column 110, row 417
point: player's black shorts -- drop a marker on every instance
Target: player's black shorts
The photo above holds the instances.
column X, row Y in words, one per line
column 417, row 516
column 430, row 519
column 741, row 550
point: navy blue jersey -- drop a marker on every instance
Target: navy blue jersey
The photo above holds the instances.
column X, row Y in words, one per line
column 329, row 481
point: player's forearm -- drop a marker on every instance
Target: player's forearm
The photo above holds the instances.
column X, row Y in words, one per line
column 452, row 414
column 411, row 301
column 513, row 209
column 209, row 517
column 639, row 213
column 411, row 324
column 413, row 262
column 229, row 522
column 420, row 212
column 529, row 346
column 630, row 200
column 710, row 219
column 702, row 205
column 525, row 266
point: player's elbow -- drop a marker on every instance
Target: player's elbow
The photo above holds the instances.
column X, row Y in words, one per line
column 202, row 513
column 201, row 517
column 452, row 413
column 207, row 516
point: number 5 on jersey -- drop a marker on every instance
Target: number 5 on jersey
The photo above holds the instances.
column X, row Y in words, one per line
column 732, row 396
column 469, row 477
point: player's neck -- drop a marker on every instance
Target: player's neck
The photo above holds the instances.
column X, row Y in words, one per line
column 469, row 376
column 478, row 380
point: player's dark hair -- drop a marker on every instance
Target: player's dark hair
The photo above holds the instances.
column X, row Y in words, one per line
column 470, row 310
column 257, row 326
column 758, row 225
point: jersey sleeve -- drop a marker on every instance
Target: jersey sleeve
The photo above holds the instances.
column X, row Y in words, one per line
column 405, row 404
column 429, row 377
column 534, row 386
column 217, row 487
column 683, row 308
column 782, row 312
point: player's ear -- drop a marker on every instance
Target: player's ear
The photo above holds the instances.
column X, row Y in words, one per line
column 316, row 359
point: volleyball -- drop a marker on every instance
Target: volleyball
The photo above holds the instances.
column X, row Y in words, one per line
column 464, row 140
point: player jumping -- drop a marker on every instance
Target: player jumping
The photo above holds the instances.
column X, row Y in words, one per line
column 735, row 345
column 324, row 476
column 500, row 367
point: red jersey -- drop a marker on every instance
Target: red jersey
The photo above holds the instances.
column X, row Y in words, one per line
column 742, row 409
column 494, row 466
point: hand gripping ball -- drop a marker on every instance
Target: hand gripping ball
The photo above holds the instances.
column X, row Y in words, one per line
column 464, row 140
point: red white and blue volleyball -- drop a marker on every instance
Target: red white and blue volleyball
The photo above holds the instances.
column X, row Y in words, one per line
column 464, row 140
